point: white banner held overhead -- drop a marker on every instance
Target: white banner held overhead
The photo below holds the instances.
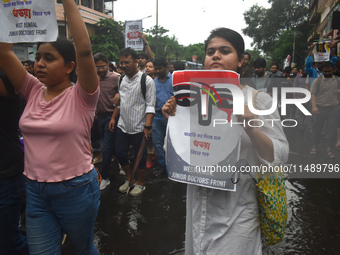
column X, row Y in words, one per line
column 322, row 52
column 28, row 21
column 132, row 30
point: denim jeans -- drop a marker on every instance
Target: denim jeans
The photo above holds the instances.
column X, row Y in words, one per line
column 108, row 138
column 55, row 208
column 12, row 191
column 158, row 135
column 95, row 137
column 331, row 115
column 123, row 141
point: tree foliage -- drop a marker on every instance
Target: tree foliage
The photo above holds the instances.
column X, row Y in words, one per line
column 153, row 31
column 170, row 48
column 109, row 38
column 254, row 17
column 269, row 27
column 255, row 53
column 194, row 50
column 285, row 46
column 167, row 46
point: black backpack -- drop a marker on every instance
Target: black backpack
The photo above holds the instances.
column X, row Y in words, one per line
column 142, row 83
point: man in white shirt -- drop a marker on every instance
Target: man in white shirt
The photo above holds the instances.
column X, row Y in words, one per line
column 136, row 116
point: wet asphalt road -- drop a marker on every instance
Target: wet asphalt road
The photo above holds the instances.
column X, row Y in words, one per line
column 154, row 223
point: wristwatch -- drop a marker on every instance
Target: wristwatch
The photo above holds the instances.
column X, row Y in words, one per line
column 146, row 43
column 148, row 127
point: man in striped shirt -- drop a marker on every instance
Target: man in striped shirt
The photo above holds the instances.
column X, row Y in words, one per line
column 136, row 116
column 325, row 107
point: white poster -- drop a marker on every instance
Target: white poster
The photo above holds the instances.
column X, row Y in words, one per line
column 322, row 52
column 132, row 30
column 28, row 21
column 202, row 145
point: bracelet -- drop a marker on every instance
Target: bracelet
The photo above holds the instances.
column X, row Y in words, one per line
column 148, row 127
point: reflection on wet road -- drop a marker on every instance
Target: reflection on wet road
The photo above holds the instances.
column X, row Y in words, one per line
column 154, row 223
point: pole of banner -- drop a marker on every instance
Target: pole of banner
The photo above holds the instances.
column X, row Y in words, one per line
column 65, row 23
column 293, row 60
column 157, row 28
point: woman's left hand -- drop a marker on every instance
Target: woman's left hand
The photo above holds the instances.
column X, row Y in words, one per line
column 169, row 108
column 248, row 115
column 262, row 143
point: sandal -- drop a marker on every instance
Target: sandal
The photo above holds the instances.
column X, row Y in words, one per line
column 337, row 147
column 330, row 154
column 313, row 151
column 137, row 190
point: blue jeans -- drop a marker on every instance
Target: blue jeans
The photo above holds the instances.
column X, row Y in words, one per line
column 12, row 191
column 95, row 137
column 158, row 134
column 108, row 138
column 331, row 115
column 123, row 141
column 55, row 208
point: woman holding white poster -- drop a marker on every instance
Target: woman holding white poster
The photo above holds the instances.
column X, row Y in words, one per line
column 62, row 185
column 227, row 222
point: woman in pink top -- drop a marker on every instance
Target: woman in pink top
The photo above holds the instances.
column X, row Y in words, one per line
column 62, row 186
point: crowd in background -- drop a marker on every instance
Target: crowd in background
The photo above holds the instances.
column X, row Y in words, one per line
column 125, row 101
column 320, row 78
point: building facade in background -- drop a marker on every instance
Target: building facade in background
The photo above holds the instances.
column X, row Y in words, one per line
column 90, row 10
column 325, row 18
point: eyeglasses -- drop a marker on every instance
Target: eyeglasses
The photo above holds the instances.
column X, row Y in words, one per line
column 124, row 62
column 101, row 67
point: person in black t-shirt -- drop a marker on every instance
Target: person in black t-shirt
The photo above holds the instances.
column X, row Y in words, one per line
column 12, row 181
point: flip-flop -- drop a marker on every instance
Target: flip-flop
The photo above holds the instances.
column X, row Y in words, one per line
column 337, row 147
column 125, row 187
column 137, row 190
column 330, row 154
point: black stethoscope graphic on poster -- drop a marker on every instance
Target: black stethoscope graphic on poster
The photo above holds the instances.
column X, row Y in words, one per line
column 189, row 94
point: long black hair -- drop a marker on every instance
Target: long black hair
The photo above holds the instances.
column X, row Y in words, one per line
column 66, row 49
column 231, row 36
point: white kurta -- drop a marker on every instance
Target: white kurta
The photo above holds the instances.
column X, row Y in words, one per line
column 225, row 222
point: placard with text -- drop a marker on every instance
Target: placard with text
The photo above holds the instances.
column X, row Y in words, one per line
column 322, row 52
column 132, row 30
column 28, row 21
column 202, row 144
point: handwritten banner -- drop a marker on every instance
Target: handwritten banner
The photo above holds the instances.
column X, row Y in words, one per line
column 202, row 144
column 28, row 21
column 132, row 30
